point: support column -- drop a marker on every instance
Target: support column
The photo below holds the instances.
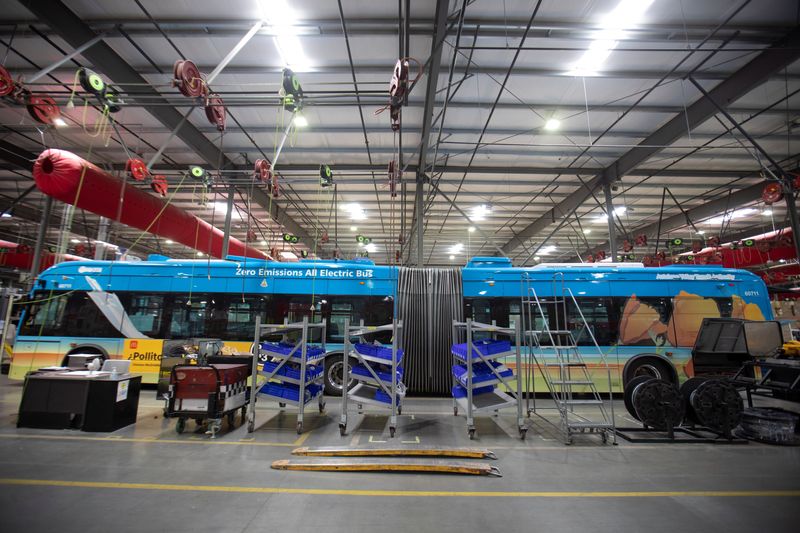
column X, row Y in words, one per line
column 612, row 236
column 420, row 228
column 40, row 235
column 102, row 238
column 226, row 232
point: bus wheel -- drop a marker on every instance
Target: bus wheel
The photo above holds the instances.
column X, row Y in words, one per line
column 334, row 369
column 654, row 367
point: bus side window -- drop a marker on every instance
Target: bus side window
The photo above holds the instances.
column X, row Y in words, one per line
column 188, row 317
column 44, row 318
column 599, row 319
column 146, row 312
column 241, row 316
column 82, row 318
column 644, row 321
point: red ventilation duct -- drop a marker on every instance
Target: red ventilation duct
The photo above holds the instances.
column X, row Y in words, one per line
column 24, row 260
column 73, row 180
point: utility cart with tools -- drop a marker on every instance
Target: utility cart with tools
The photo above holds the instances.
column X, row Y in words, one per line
column 207, row 394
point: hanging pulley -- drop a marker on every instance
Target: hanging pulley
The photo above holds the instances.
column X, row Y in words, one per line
column 647, row 260
column 91, row 82
column 748, row 243
column 600, row 255
column 641, row 240
column 112, row 100
column 198, row 173
column 137, row 169
column 627, row 246
column 394, row 177
column 251, row 235
column 43, row 108
column 187, row 78
column 304, row 253
column 215, row 111
column 713, row 241
column 674, row 243
column 697, row 245
column 324, row 238
column 325, row 176
column 291, row 85
column 159, row 184
column 7, row 84
column 772, row 192
column 288, row 237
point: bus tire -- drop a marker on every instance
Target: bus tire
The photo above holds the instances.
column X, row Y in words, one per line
column 85, row 349
column 649, row 364
column 334, row 367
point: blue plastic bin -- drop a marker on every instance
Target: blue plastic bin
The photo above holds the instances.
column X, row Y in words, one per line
column 380, row 352
column 460, row 392
column 485, row 347
column 284, row 349
column 384, row 375
column 290, row 371
column 481, row 372
column 385, row 398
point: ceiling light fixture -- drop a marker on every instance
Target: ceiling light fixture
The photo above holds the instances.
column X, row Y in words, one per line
column 300, row 120
column 168, row 241
column 619, row 210
column 353, row 228
column 59, row 122
column 263, row 243
column 199, row 254
column 480, row 212
column 282, row 24
column 222, row 209
column 552, row 125
column 767, row 212
column 371, row 248
column 545, row 250
column 288, row 255
column 452, row 258
column 471, row 229
column 356, row 211
column 626, row 15
column 739, row 213
column 456, row 248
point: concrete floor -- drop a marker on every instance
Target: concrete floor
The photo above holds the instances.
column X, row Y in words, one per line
column 148, row 478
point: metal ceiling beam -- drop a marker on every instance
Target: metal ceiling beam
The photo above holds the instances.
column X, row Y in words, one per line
column 753, row 74
column 708, row 209
column 344, row 69
column 490, row 27
column 76, row 32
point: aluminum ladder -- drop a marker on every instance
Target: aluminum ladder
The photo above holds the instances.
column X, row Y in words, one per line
column 553, row 350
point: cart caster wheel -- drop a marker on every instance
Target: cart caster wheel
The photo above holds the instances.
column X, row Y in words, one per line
column 522, row 433
column 455, row 411
column 322, row 408
column 180, row 425
column 281, row 404
column 399, row 410
column 391, row 432
column 605, row 437
column 472, row 434
column 232, row 420
column 299, row 428
column 244, row 415
column 164, row 414
column 251, row 426
column 342, row 430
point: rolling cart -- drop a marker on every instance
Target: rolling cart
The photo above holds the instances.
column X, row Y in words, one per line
column 291, row 373
column 477, row 373
column 377, row 372
column 207, row 393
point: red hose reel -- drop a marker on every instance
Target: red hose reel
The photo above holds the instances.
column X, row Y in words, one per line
column 7, row 84
column 42, row 108
column 187, row 78
column 772, row 192
column 216, row 112
column 137, row 169
column 159, row 185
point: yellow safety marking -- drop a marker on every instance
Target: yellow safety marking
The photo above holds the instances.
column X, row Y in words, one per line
column 375, row 441
column 415, row 441
column 149, row 440
column 406, row 493
column 302, row 438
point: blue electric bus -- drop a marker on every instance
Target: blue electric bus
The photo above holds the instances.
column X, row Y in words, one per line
column 141, row 311
column 644, row 320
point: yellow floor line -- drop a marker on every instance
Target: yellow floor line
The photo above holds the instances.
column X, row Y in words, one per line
column 303, row 438
column 407, row 493
column 151, row 440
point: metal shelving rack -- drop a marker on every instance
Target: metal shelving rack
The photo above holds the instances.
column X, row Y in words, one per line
column 306, row 330
column 364, row 392
column 497, row 399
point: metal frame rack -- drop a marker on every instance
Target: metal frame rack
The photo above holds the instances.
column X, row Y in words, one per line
column 364, row 392
column 497, row 399
column 292, row 357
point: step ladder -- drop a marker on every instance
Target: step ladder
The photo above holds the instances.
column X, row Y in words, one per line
column 551, row 348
